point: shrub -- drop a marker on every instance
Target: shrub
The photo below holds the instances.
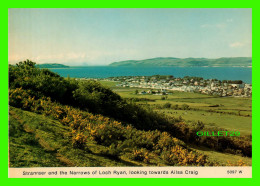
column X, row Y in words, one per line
column 183, row 157
column 167, row 105
column 79, row 141
column 238, row 163
column 163, row 98
column 141, row 155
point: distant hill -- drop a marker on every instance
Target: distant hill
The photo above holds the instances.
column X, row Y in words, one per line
column 188, row 62
column 52, row 65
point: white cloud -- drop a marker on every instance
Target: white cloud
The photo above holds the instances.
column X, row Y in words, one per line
column 15, row 58
column 91, row 57
column 236, row 45
column 72, row 56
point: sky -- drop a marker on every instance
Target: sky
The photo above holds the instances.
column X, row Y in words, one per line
column 102, row 36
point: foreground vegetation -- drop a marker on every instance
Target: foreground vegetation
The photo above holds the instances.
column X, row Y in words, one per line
column 93, row 122
column 39, row 141
column 87, row 129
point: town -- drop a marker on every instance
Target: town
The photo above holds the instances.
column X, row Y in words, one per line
column 161, row 85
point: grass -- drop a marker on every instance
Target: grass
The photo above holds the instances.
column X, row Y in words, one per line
column 221, row 157
column 232, row 113
column 39, row 141
column 109, row 84
column 229, row 122
column 25, row 149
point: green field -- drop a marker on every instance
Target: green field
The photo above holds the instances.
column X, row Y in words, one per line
column 230, row 113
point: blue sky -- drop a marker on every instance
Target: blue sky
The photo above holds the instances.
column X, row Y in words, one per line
column 102, row 36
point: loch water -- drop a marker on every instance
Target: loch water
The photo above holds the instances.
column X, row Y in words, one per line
column 220, row 73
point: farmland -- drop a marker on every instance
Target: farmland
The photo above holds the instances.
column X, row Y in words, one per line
column 227, row 112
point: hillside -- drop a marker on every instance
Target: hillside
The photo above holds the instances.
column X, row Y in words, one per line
column 36, row 140
column 64, row 136
column 52, row 65
column 187, row 62
column 54, row 117
column 39, row 141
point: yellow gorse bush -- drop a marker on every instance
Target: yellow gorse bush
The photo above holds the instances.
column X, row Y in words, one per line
column 79, row 140
column 141, row 155
column 238, row 163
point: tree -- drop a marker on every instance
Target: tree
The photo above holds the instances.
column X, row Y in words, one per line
column 26, row 64
column 167, row 105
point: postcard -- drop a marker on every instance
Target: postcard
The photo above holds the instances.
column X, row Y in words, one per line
column 130, row 93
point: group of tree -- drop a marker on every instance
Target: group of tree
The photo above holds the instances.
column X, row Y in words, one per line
column 86, row 95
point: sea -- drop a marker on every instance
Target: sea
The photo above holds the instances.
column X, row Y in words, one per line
column 220, row 73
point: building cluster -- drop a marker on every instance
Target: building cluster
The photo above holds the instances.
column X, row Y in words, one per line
column 163, row 84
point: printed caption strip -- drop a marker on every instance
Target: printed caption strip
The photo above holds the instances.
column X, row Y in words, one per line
column 132, row 172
